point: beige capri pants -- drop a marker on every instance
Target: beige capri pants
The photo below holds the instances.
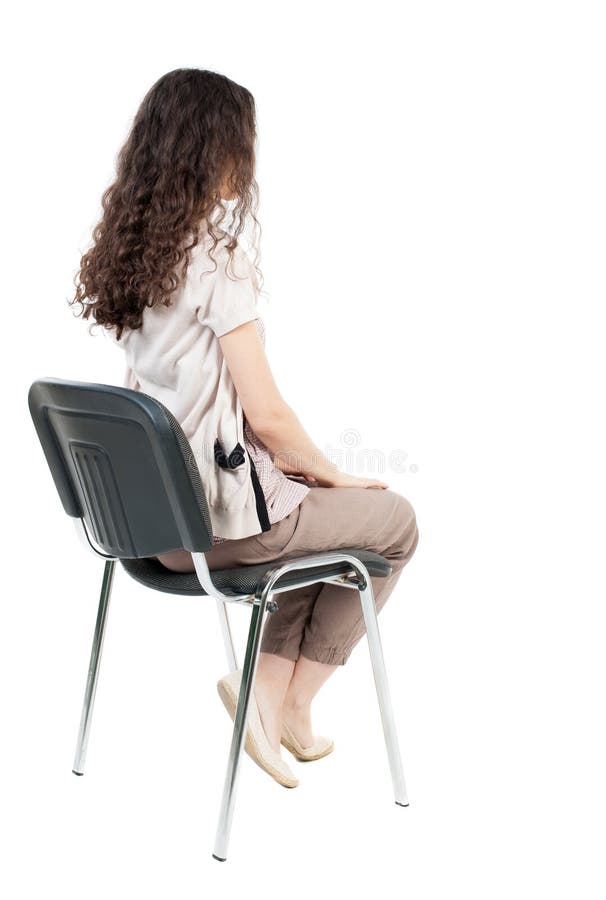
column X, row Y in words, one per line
column 324, row 622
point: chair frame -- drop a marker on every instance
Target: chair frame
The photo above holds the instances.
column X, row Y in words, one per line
column 262, row 602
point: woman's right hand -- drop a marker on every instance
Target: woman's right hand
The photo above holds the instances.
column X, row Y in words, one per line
column 344, row 479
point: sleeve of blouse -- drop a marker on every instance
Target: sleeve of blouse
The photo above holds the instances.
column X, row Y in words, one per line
column 228, row 300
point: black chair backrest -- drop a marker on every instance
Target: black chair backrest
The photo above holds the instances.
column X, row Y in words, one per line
column 121, row 462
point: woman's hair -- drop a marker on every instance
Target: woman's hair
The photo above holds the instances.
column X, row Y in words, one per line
column 193, row 130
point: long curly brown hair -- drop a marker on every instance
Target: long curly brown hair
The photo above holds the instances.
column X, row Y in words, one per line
column 192, row 137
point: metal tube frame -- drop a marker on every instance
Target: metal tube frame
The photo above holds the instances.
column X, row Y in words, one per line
column 93, row 668
column 356, row 576
column 265, row 589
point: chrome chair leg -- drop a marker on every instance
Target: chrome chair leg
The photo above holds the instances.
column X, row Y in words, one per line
column 93, row 668
column 241, row 717
column 232, row 659
column 380, row 675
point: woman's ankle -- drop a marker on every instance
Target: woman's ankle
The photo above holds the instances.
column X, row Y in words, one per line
column 298, row 719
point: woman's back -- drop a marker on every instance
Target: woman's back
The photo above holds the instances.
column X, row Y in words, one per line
column 175, row 356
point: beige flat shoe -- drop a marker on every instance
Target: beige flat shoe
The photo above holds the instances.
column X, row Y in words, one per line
column 322, row 746
column 256, row 744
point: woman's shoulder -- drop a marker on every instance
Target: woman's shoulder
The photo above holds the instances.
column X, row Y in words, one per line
column 235, row 261
column 221, row 289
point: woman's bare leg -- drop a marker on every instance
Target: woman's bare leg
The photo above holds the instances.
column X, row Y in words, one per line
column 271, row 683
column 307, row 679
column 284, row 690
column 283, row 687
column 177, row 561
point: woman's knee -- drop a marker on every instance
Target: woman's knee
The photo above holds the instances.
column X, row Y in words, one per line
column 405, row 523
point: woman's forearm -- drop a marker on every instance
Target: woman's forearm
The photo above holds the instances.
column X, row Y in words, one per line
column 292, row 447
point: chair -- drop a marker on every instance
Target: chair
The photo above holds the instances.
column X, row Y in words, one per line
column 127, row 476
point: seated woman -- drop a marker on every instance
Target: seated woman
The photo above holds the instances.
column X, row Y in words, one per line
column 157, row 279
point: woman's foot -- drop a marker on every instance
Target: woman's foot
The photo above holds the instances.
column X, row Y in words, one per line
column 256, row 743
column 298, row 736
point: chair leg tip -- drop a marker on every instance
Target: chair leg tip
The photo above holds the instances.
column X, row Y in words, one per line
column 401, row 804
column 77, row 773
column 220, row 858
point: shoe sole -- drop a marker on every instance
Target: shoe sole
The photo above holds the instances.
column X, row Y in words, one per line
column 230, row 701
column 297, row 755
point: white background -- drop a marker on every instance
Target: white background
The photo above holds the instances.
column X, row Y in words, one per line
column 432, row 202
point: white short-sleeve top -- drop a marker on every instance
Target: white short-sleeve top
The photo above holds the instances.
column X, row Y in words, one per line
column 176, row 357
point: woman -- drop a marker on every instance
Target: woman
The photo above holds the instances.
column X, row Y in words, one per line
column 179, row 292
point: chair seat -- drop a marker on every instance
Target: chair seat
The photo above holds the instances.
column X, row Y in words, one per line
column 240, row 580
